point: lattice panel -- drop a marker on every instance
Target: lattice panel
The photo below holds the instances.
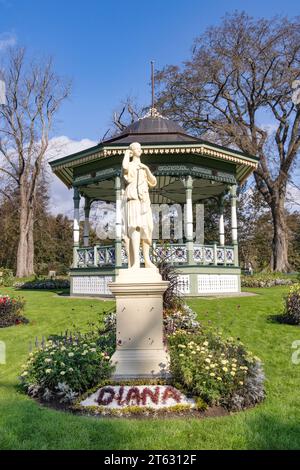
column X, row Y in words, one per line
column 91, row 285
column 183, row 283
column 217, row 283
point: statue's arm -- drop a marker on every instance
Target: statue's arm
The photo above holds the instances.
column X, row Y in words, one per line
column 126, row 160
column 150, row 177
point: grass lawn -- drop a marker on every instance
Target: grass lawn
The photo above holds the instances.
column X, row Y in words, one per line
column 275, row 424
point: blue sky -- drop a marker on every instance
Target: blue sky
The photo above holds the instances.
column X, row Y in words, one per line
column 105, row 46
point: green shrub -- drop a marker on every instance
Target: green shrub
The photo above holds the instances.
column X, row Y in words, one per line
column 10, row 311
column 65, row 368
column 43, row 284
column 292, row 306
column 218, row 371
column 266, row 280
column 6, row 277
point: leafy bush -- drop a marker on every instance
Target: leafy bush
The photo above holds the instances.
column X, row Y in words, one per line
column 171, row 297
column 182, row 318
column 43, row 284
column 65, row 368
column 218, row 371
column 292, row 306
column 10, row 311
column 6, row 277
column 266, row 280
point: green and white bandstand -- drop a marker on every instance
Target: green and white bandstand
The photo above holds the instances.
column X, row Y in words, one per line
column 189, row 171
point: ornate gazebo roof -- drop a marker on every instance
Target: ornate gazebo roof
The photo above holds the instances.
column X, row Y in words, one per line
column 170, row 152
column 152, row 128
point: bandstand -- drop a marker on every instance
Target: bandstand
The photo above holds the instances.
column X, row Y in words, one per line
column 188, row 171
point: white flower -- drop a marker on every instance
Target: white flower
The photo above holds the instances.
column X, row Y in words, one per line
column 207, row 360
column 71, row 354
column 48, row 359
column 71, row 369
column 48, row 371
column 93, row 349
column 24, row 373
column 225, row 369
column 63, row 348
column 62, row 364
column 62, row 372
column 232, row 373
column 205, row 343
column 181, row 355
column 212, row 374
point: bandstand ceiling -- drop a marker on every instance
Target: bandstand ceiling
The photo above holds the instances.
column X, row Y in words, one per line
column 168, row 190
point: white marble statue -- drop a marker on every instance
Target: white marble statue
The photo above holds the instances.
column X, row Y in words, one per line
column 137, row 220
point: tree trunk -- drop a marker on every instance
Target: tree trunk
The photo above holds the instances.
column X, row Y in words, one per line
column 30, row 247
column 280, row 237
column 25, row 246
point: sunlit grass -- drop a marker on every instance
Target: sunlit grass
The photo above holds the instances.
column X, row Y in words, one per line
column 275, row 424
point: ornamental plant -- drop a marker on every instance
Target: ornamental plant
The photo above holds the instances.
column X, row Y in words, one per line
column 218, row 371
column 63, row 369
column 265, row 280
column 48, row 284
column 292, row 306
column 10, row 311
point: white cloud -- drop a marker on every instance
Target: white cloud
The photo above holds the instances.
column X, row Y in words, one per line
column 7, row 40
column 293, row 198
column 61, row 198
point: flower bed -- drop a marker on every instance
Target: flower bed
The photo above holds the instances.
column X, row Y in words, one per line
column 65, row 367
column 209, row 370
column 265, row 280
column 43, row 284
column 10, row 311
column 217, row 371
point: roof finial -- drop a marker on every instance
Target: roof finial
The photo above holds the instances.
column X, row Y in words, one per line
column 152, row 83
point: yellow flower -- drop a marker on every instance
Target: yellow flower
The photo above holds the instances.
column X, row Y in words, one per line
column 212, row 374
column 232, row 373
column 225, row 369
column 241, row 382
column 206, row 368
column 219, row 378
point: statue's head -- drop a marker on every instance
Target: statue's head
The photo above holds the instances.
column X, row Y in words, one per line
column 136, row 149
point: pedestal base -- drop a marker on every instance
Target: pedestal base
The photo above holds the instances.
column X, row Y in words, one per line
column 140, row 350
column 140, row 363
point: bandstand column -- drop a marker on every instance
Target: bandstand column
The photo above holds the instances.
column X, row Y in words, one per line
column 234, row 237
column 188, row 183
column 221, row 221
column 118, row 233
column 76, row 199
column 86, row 228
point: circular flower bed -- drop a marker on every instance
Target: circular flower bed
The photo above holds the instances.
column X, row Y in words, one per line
column 10, row 311
column 205, row 367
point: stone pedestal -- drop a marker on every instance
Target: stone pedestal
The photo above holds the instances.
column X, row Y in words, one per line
column 140, row 351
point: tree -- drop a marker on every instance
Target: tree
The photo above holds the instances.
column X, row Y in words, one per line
column 242, row 73
column 34, row 94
